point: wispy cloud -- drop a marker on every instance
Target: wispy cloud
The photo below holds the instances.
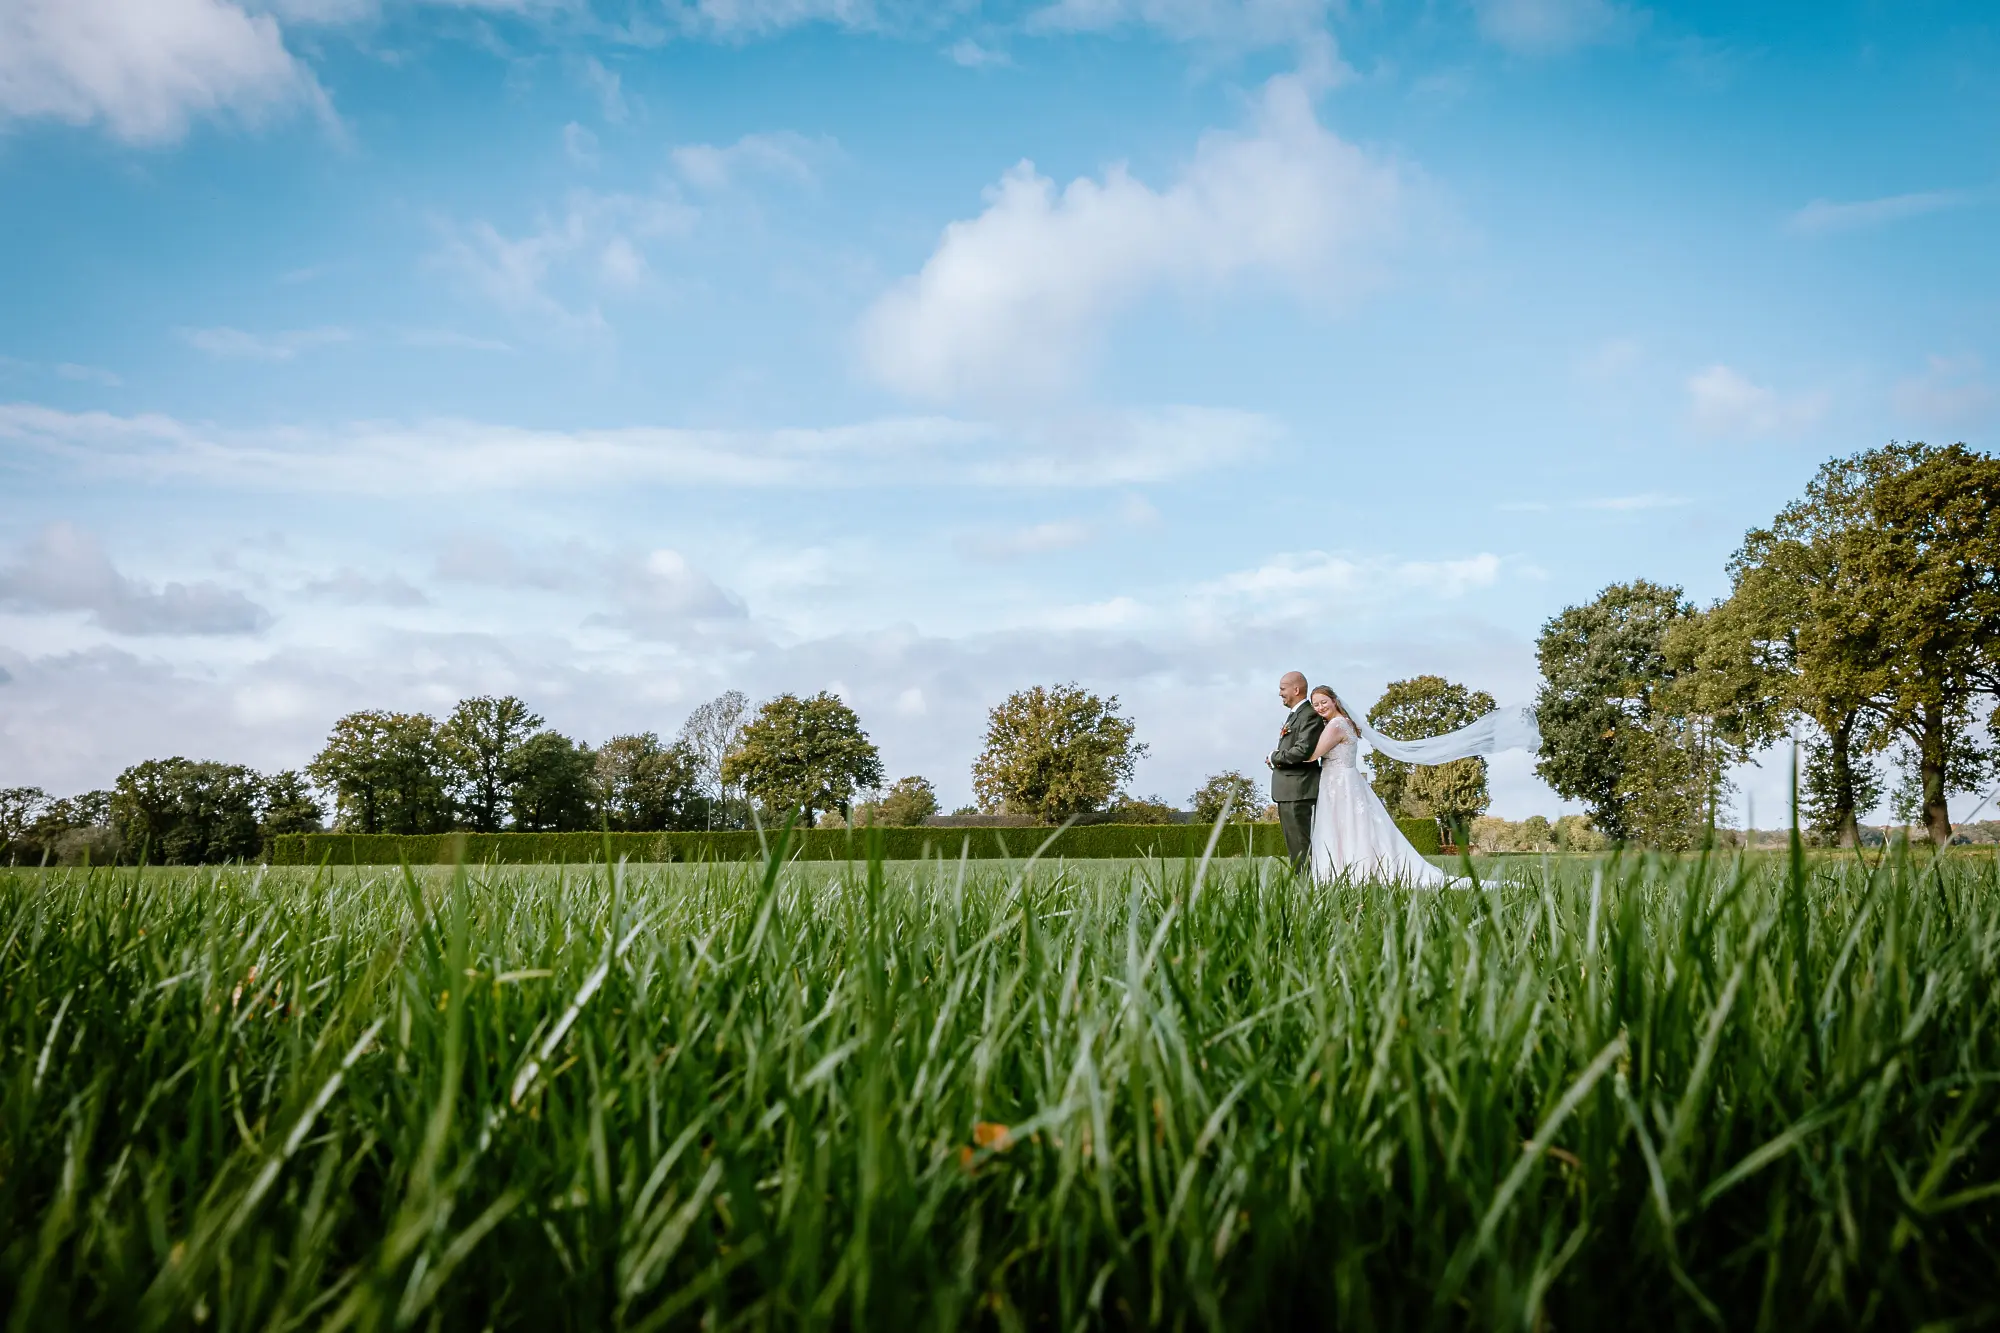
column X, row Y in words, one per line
column 235, row 344
column 1101, row 449
column 449, row 338
column 1726, row 403
column 1824, row 215
column 1952, row 391
column 350, row 587
column 782, row 154
column 1551, row 27
column 1036, row 539
column 70, row 370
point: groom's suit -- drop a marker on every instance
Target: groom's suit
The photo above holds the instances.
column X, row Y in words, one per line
column 1295, row 779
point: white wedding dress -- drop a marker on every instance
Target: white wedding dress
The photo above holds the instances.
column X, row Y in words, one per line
column 1353, row 836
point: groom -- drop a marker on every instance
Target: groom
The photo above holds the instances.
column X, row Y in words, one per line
column 1294, row 775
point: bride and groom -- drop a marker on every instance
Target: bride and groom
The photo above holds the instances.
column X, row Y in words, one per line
column 1331, row 816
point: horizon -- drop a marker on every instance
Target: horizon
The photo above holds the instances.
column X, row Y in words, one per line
column 377, row 354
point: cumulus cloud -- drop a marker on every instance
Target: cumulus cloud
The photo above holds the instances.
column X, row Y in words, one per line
column 1951, row 392
column 452, row 457
column 234, row 344
column 1550, row 27
column 144, row 68
column 663, row 589
column 1824, row 215
column 64, row 568
column 1727, row 404
column 1013, row 300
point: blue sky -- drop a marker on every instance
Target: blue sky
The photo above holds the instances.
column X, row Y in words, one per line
column 369, row 353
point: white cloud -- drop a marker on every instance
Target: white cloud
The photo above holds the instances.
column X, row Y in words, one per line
column 783, row 154
column 235, row 344
column 350, row 587
column 70, row 370
column 478, row 558
column 64, row 569
column 1824, row 215
column 580, row 144
column 1036, row 539
column 1952, row 392
column 1241, row 23
column 1013, row 300
column 450, row 457
column 973, row 55
column 747, row 18
column 1550, row 27
column 554, row 273
column 1725, row 403
column 663, row 590
column 1318, row 581
column 1625, row 503
column 606, row 85
column 144, row 68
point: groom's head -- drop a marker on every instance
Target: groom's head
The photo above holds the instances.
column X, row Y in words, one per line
column 1292, row 688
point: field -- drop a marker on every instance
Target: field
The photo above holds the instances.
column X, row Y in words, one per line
column 1745, row 1093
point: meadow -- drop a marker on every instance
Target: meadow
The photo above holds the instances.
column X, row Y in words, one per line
column 1738, row 1092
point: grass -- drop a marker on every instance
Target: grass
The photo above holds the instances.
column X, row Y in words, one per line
column 1745, row 1093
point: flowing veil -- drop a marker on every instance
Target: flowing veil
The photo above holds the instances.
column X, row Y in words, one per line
column 1501, row 729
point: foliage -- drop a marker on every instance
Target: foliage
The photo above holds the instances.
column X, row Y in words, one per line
column 711, row 732
column 804, row 754
column 1931, row 556
column 385, row 772
column 729, row 1096
column 551, row 784
column 289, row 806
column 642, row 786
column 1410, row 710
column 1230, row 789
column 1054, row 751
column 477, row 744
column 908, row 803
column 182, row 812
column 1835, row 787
column 1621, row 730
column 1130, row 809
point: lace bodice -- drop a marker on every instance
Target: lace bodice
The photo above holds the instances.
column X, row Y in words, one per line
column 1342, row 755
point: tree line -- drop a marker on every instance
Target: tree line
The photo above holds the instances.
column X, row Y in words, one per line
column 1863, row 620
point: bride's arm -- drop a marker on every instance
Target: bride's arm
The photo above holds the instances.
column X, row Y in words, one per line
column 1334, row 733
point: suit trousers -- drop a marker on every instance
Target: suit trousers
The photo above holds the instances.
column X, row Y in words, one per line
column 1296, row 819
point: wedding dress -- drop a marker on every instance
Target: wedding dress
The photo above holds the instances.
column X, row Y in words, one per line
column 1353, row 836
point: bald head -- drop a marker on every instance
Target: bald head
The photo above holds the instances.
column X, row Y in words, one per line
column 1292, row 688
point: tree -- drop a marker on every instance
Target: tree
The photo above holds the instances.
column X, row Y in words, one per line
column 1931, row 567
column 711, row 732
column 643, row 786
column 1616, row 734
column 907, row 804
column 1834, row 788
column 183, row 812
column 551, row 784
column 1226, row 790
column 808, row 755
column 386, row 773
column 476, row 743
column 1453, row 793
column 1054, row 751
column 287, row 806
column 1130, row 809
column 20, row 807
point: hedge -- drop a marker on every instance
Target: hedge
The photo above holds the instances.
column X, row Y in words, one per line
column 1079, row 842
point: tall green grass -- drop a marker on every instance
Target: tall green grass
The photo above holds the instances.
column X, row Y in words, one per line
column 1753, row 1093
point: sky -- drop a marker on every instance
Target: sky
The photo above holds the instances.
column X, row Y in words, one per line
column 375, row 353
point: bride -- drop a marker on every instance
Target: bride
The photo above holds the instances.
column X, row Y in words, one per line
column 1353, row 835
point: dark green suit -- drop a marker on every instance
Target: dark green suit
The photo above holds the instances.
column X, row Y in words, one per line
column 1295, row 779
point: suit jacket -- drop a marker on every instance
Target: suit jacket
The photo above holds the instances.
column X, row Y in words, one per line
column 1294, row 775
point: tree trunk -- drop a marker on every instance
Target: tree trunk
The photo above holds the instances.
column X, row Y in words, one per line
column 1931, row 755
column 1846, row 826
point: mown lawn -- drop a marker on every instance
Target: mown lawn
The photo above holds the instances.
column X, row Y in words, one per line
column 1749, row 1093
